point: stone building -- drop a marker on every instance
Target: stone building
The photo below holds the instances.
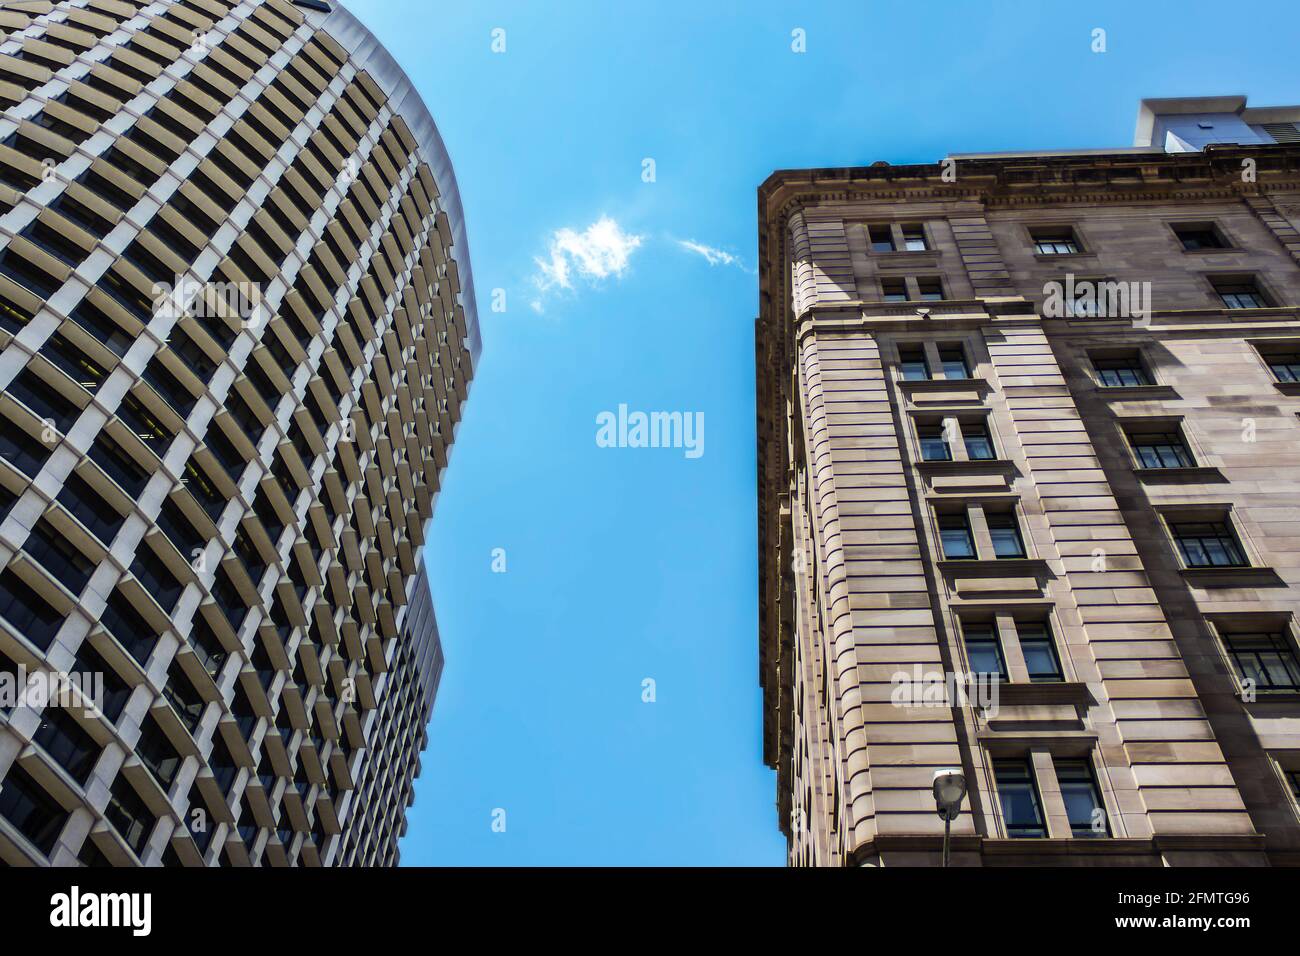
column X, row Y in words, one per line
column 1036, row 418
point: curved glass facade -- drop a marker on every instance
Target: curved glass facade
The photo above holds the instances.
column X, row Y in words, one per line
column 236, row 332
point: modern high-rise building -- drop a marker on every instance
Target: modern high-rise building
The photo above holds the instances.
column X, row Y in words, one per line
column 237, row 328
column 1029, row 486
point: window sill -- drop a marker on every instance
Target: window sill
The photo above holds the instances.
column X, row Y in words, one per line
column 1066, row 256
column 1043, row 692
column 1023, row 565
column 1129, row 392
column 905, row 255
column 1232, row 577
column 1190, row 474
column 954, row 466
column 944, row 384
column 1213, row 252
column 1270, row 696
column 1287, row 388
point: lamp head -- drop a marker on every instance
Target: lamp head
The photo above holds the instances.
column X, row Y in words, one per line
column 949, row 789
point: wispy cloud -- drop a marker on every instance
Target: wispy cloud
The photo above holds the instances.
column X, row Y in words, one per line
column 602, row 250
column 711, row 254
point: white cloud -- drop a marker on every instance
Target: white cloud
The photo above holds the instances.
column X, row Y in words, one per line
column 601, row 250
column 712, row 255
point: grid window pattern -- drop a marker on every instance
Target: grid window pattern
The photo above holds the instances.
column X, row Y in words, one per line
column 1160, row 450
column 1196, row 237
column 979, row 444
column 1267, row 659
column 1082, row 797
column 1055, row 242
column 1284, row 365
column 347, row 286
column 913, row 365
column 984, row 649
column 893, row 290
column 1121, row 371
column 882, row 238
column 1004, row 529
column 1038, row 647
column 953, row 359
column 934, row 443
column 930, row 288
column 1022, row 810
column 1240, row 294
column 914, row 238
column 955, row 534
column 1207, row 544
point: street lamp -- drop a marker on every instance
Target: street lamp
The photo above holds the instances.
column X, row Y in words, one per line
column 949, row 788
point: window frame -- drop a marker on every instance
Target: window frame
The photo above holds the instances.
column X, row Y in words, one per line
column 1282, row 639
column 1140, row 364
column 986, row 435
column 1070, row 230
column 1030, row 784
column 1025, row 635
column 994, row 639
column 1178, row 227
column 950, row 517
column 1217, row 518
column 1263, row 296
column 1137, row 429
column 1087, row 776
column 1011, row 518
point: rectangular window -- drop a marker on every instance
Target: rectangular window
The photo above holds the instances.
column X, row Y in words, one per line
column 1160, row 450
column 67, row 742
column 157, row 579
column 35, row 814
column 953, row 358
column 157, row 753
column 1207, row 544
column 954, row 532
column 1240, row 293
column 934, row 446
column 984, row 649
column 116, row 690
column 1083, row 806
column 1284, row 365
column 1089, row 300
column 882, row 238
column 26, row 611
column 1121, row 371
column 1196, row 236
column 912, row 365
column 56, row 554
column 1038, row 647
column 979, row 445
column 128, row 814
column 1004, row 529
column 893, row 290
column 1266, row 659
column 914, row 238
column 1055, row 242
column 930, row 289
column 1022, row 812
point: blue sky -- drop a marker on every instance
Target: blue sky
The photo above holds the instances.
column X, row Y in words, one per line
column 630, row 563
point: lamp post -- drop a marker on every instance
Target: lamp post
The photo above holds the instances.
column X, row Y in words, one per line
column 949, row 789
